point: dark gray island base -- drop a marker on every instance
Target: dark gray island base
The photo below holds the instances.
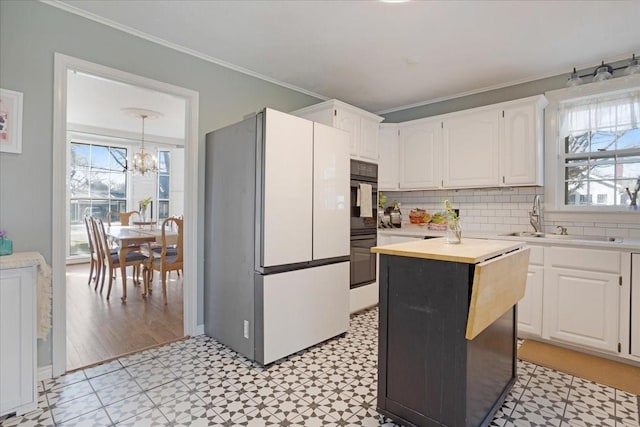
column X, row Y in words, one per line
column 429, row 372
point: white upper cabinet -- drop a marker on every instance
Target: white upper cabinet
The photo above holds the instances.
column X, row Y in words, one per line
column 388, row 164
column 521, row 142
column 496, row 145
column 350, row 122
column 369, row 130
column 419, row 143
column 361, row 125
column 470, row 148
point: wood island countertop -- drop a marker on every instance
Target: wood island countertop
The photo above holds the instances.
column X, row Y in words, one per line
column 470, row 251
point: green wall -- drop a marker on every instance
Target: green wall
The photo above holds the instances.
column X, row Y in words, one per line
column 509, row 93
column 30, row 33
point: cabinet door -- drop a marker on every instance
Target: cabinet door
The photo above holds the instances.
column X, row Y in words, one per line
column 530, row 307
column 521, row 147
column 331, row 192
column 17, row 340
column 369, row 130
column 582, row 307
column 419, row 155
column 388, row 161
column 470, row 150
column 287, row 211
column 350, row 122
column 635, row 304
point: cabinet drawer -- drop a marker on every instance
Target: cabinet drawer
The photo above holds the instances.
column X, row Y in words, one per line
column 585, row 259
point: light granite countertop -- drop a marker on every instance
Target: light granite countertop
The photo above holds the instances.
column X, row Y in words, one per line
column 413, row 230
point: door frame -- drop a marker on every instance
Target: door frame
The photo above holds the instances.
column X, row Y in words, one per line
column 63, row 63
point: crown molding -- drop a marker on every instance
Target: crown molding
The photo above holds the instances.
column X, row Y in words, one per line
column 140, row 34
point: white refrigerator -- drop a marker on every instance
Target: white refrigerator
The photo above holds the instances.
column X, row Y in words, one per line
column 276, row 235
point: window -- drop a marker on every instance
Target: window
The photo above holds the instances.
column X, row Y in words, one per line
column 601, row 149
column 97, row 185
column 164, row 192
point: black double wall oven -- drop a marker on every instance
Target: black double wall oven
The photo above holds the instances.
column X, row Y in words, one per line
column 363, row 229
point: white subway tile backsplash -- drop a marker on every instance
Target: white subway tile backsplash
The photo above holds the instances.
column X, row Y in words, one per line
column 503, row 210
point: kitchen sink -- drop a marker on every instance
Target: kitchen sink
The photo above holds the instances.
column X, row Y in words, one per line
column 563, row 236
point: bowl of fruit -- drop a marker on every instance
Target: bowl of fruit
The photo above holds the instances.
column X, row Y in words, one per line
column 438, row 222
column 419, row 216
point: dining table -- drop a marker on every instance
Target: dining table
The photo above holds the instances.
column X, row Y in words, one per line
column 132, row 236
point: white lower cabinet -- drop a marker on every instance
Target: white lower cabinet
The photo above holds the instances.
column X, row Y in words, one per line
column 635, row 305
column 582, row 297
column 530, row 306
column 18, row 340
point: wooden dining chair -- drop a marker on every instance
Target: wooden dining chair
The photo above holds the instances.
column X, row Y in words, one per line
column 96, row 259
column 171, row 249
column 112, row 260
column 168, row 260
column 123, row 217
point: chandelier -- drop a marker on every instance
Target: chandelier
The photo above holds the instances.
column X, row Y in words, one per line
column 143, row 162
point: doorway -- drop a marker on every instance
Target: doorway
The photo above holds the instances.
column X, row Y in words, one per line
column 61, row 212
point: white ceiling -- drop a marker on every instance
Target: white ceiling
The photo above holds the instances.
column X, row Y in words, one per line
column 103, row 108
column 383, row 56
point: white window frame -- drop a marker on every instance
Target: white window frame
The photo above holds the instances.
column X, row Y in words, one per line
column 158, row 151
column 554, row 160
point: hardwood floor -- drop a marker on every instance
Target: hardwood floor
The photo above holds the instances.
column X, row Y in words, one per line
column 98, row 329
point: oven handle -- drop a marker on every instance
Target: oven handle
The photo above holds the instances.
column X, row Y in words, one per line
column 374, row 184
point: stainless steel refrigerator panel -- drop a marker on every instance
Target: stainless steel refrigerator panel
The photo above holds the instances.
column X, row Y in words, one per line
column 229, row 235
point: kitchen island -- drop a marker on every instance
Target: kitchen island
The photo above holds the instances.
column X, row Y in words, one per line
column 447, row 338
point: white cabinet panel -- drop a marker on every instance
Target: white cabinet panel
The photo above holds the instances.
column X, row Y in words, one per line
column 635, row 305
column 304, row 307
column 519, row 141
column 331, row 221
column 419, row 155
column 346, row 120
column 361, row 125
column 470, row 150
column 286, row 235
column 388, row 161
column 18, row 340
column 369, row 139
column 582, row 297
column 582, row 307
column 530, row 306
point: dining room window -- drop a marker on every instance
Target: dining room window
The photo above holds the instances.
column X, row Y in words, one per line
column 97, row 185
column 164, row 181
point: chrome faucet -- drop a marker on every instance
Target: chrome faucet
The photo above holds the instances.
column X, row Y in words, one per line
column 535, row 216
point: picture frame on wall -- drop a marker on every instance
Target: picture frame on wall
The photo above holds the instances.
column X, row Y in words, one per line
column 10, row 121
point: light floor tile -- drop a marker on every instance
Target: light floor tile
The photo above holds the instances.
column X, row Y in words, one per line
column 201, row 382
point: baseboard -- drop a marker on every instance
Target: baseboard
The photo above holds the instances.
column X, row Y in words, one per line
column 45, row 372
column 199, row 330
column 363, row 297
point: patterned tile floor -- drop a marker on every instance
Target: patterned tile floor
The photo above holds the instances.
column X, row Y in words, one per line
column 200, row 382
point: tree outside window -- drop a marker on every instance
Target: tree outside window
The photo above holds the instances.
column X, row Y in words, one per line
column 601, row 152
column 97, row 185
